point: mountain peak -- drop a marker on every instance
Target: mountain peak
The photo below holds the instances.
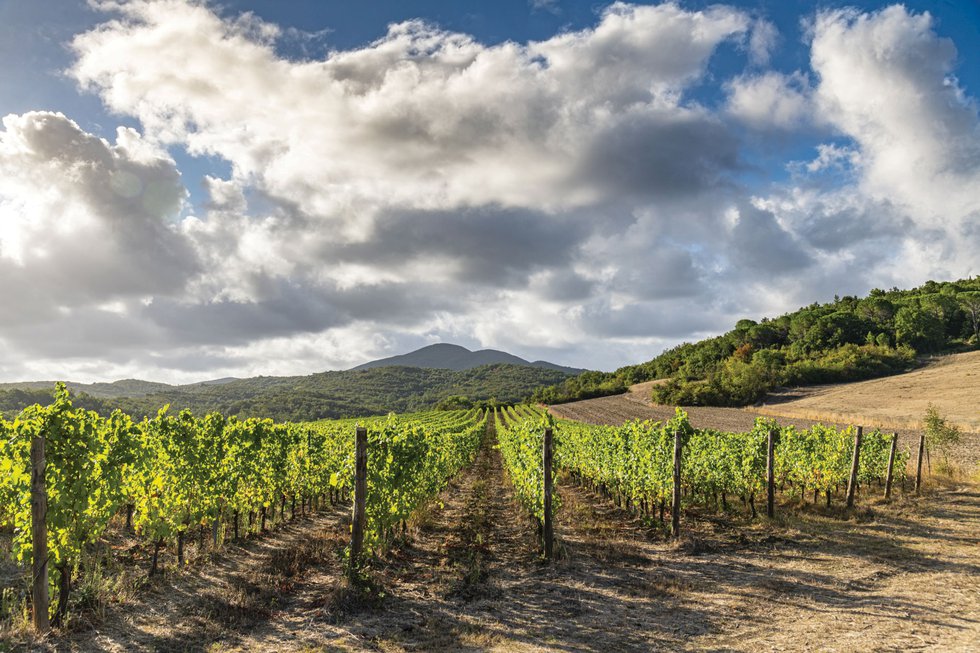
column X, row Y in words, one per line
column 444, row 355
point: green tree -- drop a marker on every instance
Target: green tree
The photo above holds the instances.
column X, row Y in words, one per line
column 877, row 309
column 970, row 303
column 919, row 328
column 454, row 402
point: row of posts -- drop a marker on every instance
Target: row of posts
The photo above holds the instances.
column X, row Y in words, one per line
column 39, row 567
column 675, row 507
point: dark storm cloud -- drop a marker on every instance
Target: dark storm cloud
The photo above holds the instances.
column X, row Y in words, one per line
column 640, row 319
column 661, row 272
column 487, row 245
column 565, row 285
column 294, row 309
column 662, row 155
column 83, row 332
column 761, row 245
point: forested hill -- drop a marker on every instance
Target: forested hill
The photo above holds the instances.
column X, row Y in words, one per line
column 849, row 339
column 326, row 395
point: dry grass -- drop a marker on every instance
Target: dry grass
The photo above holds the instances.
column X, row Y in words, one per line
column 642, row 391
column 951, row 383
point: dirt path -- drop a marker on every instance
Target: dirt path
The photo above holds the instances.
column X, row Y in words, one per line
column 219, row 600
column 443, row 589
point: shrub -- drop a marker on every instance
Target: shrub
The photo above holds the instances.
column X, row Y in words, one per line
column 940, row 434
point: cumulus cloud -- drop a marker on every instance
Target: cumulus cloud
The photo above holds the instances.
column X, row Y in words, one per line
column 551, row 6
column 885, row 81
column 539, row 197
column 84, row 222
column 422, row 117
column 762, row 42
column 770, row 99
column 760, row 244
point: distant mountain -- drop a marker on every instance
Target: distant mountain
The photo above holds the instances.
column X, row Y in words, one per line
column 123, row 388
column 351, row 393
column 223, row 380
column 445, row 356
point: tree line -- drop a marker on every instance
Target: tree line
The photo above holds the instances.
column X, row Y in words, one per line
column 848, row 339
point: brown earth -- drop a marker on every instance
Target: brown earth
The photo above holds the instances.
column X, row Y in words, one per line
column 219, row 599
column 951, row 383
column 899, row 576
column 870, row 407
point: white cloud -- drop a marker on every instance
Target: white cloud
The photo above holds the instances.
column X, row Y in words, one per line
column 551, row 6
column 83, row 220
column 770, row 99
column 443, row 120
column 885, row 81
column 834, row 157
column 563, row 199
column 762, row 42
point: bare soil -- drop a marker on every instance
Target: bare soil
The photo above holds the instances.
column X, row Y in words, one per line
column 217, row 599
column 951, row 383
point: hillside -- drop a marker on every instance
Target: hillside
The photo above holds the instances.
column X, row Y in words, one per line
column 325, row 395
column 951, row 383
column 849, row 339
column 455, row 357
column 122, row 388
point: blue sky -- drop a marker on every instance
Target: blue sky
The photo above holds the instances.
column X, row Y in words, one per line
column 307, row 185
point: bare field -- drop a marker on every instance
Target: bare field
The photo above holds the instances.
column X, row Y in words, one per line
column 951, row 383
column 895, row 403
column 618, row 409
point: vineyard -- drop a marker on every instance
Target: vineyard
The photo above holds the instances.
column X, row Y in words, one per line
column 180, row 482
column 634, row 464
column 175, row 475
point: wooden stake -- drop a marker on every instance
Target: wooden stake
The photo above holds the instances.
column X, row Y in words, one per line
column 360, row 500
column 918, row 465
column 675, row 508
column 39, row 537
column 549, row 533
column 891, row 465
column 771, row 475
column 855, row 462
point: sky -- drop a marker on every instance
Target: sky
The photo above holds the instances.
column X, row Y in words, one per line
column 194, row 189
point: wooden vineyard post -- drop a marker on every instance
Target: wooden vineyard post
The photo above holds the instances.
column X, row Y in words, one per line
column 675, row 507
column 891, row 466
column 39, row 537
column 549, row 528
column 360, row 500
column 771, row 475
column 918, row 464
column 855, row 462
